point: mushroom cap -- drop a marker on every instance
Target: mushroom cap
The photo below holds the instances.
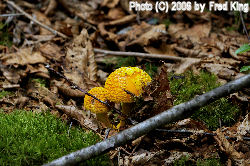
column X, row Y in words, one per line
column 92, row 104
column 130, row 79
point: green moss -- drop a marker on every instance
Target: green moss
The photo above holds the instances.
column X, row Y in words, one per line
column 183, row 161
column 209, row 162
column 192, row 85
column 42, row 82
column 125, row 61
column 167, row 22
column 4, row 93
column 150, row 68
column 5, row 38
column 34, row 139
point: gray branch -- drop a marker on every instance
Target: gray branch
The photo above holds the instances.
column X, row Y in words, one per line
column 175, row 113
column 139, row 54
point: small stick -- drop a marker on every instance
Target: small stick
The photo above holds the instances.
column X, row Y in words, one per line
column 11, row 14
column 244, row 26
column 34, row 20
column 138, row 54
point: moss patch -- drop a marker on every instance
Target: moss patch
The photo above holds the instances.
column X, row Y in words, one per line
column 5, row 38
column 184, row 89
column 34, row 139
column 4, row 93
column 185, row 160
column 41, row 81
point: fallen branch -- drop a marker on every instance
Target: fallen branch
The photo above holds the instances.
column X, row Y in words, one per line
column 175, row 113
column 34, row 20
column 138, row 54
column 11, row 15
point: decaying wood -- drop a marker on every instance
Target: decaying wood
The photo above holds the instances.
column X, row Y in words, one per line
column 175, row 113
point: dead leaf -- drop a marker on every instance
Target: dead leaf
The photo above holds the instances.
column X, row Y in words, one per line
column 22, row 57
column 244, row 127
column 194, row 33
column 41, row 93
column 151, row 33
column 43, row 19
column 51, row 51
column 78, row 56
column 164, row 49
column 66, row 90
column 84, row 121
column 110, row 3
column 115, row 13
column 159, row 92
column 221, row 70
column 10, row 74
column 228, row 149
column 186, row 64
column 51, row 7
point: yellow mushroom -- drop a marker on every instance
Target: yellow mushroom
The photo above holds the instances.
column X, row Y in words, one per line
column 125, row 83
column 97, row 107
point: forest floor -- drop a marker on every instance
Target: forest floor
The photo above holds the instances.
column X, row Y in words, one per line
column 186, row 53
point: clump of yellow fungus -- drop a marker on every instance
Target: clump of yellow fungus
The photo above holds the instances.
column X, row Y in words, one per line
column 121, row 86
column 124, row 82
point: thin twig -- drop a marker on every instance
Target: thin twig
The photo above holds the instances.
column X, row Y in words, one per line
column 138, row 54
column 199, row 132
column 34, row 20
column 173, row 114
column 244, row 25
column 11, row 14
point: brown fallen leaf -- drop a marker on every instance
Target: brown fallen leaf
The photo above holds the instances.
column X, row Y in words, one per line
column 66, row 90
column 110, row 3
column 228, row 149
column 50, row 8
column 158, row 95
column 77, row 8
column 35, row 90
column 244, row 127
column 223, row 71
column 149, row 34
column 43, row 19
column 194, row 33
column 80, row 59
column 185, row 64
column 38, row 70
column 85, row 121
column 11, row 74
column 51, row 51
column 163, row 49
column 22, row 57
column 115, row 13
